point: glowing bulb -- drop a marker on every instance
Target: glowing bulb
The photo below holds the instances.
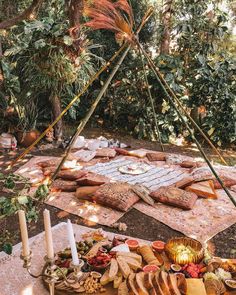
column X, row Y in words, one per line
column 31, row 16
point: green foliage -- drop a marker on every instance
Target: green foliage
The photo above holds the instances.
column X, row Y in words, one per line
column 127, row 103
column 18, row 198
column 195, row 70
column 214, row 87
column 6, row 242
column 41, row 59
column 207, row 74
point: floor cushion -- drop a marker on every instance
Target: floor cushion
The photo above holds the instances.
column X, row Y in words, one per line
column 92, row 179
column 156, row 156
column 118, row 195
column 64, row 185
column 175, row 197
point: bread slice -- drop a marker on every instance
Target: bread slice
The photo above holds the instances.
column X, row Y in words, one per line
column 157, row 288
column 172, row 282
column 181, row 283
column 148, row 277
column 163, row 282
column 123, row 289
column 152, row 291
column 133, row 264
column 149, row 283
column 131, row 255
column 117, row 281
column 131, row 282
column 123, row 266
column 140, row 283
column 113, row 269
column 204, row 189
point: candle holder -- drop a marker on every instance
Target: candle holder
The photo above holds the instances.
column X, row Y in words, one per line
column 184, row 250
column 47, row 272
column 77, row 274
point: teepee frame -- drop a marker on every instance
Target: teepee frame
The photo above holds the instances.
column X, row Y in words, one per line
column 173, row 99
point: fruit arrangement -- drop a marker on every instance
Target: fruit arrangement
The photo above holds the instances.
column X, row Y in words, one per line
column 192, row 270
column 100, row 261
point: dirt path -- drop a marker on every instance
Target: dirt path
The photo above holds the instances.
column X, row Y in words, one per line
column 139, row 225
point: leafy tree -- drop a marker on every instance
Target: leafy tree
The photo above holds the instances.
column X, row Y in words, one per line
column 49, row 59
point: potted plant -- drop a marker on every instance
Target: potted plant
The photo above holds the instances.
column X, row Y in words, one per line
column 27, row 132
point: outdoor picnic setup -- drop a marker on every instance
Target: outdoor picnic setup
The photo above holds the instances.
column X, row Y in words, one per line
column 84, row 205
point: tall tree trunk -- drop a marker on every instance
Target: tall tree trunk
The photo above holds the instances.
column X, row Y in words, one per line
column 166, row 22
column 75, row 11
column 1, row 72
column 56, row 111
column 28, row 13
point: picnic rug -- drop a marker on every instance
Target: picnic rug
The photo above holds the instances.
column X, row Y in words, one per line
column 15, row 280
column 206, row 219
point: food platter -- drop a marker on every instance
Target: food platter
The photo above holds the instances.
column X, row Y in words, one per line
column 135, row 168
column 106, row 269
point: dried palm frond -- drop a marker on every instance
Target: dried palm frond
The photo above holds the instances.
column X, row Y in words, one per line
column 115, row 16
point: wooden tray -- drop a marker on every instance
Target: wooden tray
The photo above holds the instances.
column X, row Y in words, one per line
column 109, row 291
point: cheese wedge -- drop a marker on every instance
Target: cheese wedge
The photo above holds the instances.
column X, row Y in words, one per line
column 204, row 189
column 195, row 287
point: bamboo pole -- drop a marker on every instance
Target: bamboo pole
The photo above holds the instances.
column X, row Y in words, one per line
column 152, row 66
column 90, row 112
column 26, row 151
column 152, row 105
column 104, row 88
column 102, row 69
column 181, row 106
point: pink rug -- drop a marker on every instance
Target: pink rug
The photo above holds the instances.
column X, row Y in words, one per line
column 208, row 217
column 205, row 220
column 66, row 201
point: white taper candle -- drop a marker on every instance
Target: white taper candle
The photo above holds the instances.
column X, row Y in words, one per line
column 71, row 238
column 48, row 234
column 24, row 233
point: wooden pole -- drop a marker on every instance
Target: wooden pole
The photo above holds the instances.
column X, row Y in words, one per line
column 152, row 105
column 90, row 112
column 150, row 61
column 153, row 67
column 102, row 69
column 81, row 126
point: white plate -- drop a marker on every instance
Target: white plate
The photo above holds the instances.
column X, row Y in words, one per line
column 134, row 169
